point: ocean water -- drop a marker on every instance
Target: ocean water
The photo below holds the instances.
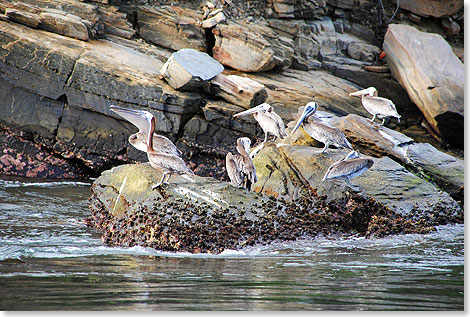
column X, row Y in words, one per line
column 50, row 260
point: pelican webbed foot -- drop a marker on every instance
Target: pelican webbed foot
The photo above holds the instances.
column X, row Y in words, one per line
column 162, row 181
column 323, row 151
column 354, row 187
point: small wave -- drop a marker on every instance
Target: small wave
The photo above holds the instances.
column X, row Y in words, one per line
column 16, row 184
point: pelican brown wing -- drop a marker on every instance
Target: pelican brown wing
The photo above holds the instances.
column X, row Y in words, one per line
column 169, row 163
column 382, row 106
column 235, row 173
column 348, row 168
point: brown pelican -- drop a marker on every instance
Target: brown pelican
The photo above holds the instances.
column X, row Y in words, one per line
column 139, row 139
column 240, row 168
column 168, row 163
column 349, row 167
column 269, row 121
column 377, row 106
column 319, row 130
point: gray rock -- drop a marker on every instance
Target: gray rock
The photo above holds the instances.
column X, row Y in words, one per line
column 299, row 9
column 431, row 8
column 189, row 69
column 443, row 170
column 251, row 47
column 27, row 18
column 171, row 27
column 436, row 88
column 65, row 24
column 205, row 215
column 29, row 112
column 363, row 51
column 282, row 170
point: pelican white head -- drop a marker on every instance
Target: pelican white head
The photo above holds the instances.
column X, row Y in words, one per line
column 371, row 91
column 310, row 109
column 246, row 143
column 265, row 107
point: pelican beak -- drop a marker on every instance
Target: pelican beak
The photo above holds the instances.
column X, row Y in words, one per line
column 246, row 144
column 249, row 111
column 125, row 111
column 136, row 117
column 307, row 111
column 360, row 92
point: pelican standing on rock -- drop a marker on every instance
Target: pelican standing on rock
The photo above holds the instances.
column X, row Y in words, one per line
column 269, row 121
column 319, row 130
column 168, row 163
column 349, row 167
column 240, row 168
column 377, row 106
column 139, row 139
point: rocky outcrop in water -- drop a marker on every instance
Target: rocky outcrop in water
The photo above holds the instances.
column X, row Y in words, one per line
column 206, row 215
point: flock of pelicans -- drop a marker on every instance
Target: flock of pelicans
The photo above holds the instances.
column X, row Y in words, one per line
column 163, row 155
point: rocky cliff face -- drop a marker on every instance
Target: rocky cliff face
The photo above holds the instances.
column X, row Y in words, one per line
column 63, row 63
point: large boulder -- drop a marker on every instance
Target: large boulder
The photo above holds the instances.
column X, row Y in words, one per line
column 206, row 215
column 423, row 159
column 285, row 171
column 189, row 69
column 433, row 8
column 433, row 76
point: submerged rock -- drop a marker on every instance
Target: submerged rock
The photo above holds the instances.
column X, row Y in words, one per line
column 206, row 215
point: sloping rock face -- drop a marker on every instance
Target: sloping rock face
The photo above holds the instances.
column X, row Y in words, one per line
column 171, row 26
column 444, row 170
column 205, row 215
column 433, row 76
column 251, row 47
column 68, row 81
column 423, row 159
column 284, row 171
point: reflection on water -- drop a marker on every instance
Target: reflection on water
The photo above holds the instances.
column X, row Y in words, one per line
column 50, row 260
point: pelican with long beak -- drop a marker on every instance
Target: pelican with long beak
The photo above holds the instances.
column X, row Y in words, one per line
column 269, row 121
column 168, row 163
column 319, row 130
column 351, row 166
column 377, row 106
column 139, row 139
column 240, row 168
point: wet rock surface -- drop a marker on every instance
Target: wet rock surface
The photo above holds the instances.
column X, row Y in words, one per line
column 282, row 169
column 211, row 216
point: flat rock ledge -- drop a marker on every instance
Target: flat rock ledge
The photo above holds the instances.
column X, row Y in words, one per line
column 209, row 216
